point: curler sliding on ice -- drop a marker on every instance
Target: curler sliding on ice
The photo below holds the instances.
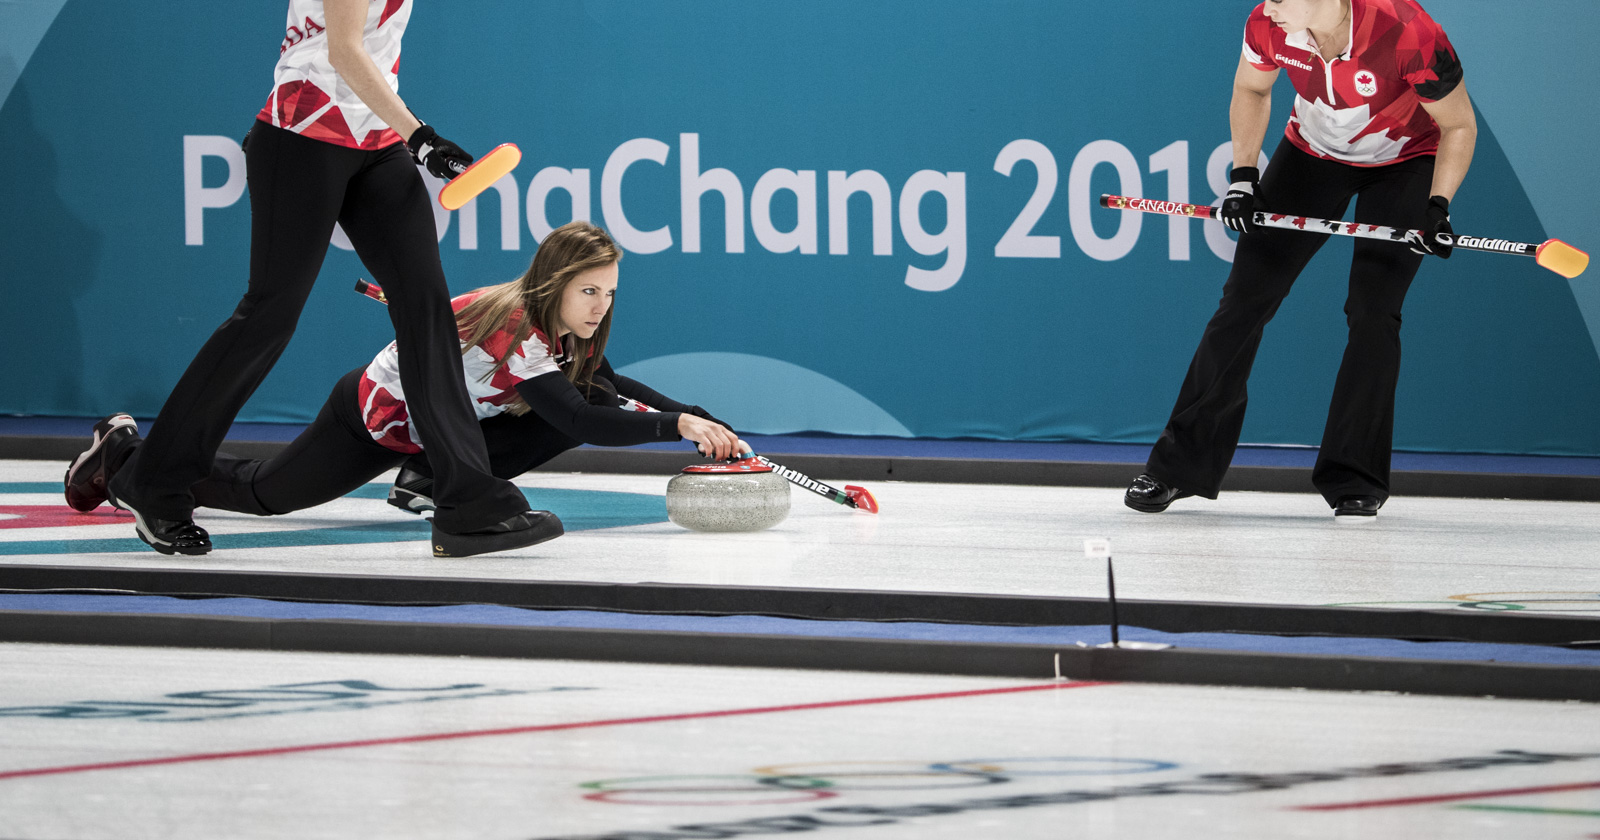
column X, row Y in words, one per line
column 1553, row 254
column 531, row 355
column 852, row 496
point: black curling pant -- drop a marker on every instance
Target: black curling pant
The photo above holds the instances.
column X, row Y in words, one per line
column 298, row 189
column 1197, row 446
column 335, row 455
column 518, row 444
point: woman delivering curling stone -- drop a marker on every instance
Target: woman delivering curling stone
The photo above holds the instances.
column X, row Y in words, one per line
column 334, row 143
column 533, row 358
column 1381, row 114
column 563, row 400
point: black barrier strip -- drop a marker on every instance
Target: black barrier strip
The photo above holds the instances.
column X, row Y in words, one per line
column 818, row 604
column 1190, row 667
column 1566, row 488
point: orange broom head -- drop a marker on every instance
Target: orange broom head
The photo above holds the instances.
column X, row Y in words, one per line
column 862, row 497
column 1563, row 259
column 480, row 176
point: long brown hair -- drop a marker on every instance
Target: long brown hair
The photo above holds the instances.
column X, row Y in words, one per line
column 568, row 251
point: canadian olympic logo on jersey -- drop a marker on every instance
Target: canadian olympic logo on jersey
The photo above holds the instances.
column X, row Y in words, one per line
column 1366, row 83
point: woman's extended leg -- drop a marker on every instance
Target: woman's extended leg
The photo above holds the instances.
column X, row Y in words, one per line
column 332, row 457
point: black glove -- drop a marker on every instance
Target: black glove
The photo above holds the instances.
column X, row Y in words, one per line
column 1437, row 222
column 1239, row 205
column 443, row 158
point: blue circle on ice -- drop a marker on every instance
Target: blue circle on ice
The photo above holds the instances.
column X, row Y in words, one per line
column 1068, row 766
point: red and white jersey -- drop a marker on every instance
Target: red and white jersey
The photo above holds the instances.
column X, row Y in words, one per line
column 310, row 99
column 1364, row 107
column 383, row 402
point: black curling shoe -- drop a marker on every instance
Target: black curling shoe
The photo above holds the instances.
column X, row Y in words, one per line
column 1151, row 495
column 520, row 531
column 168, row 536
column 172, row 536
column 1357, row 506
column 86, row 479
column 412, row 491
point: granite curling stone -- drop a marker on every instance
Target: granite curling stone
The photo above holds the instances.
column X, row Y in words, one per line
column 742, row 496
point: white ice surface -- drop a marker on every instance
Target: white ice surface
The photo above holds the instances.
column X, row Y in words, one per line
column 277, row 745
column 1244, row 547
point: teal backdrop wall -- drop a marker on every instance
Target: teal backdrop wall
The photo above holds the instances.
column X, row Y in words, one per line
column 911, row 246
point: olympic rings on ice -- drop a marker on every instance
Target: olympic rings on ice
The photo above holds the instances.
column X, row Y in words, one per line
column 791, row 783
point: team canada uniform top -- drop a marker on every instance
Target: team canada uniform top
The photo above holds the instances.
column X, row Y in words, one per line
column 1365, row 106
column 383, row 403
column 309, row 98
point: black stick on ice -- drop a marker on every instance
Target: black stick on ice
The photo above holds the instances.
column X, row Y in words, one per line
column 1100, row 547
column 1111, row 587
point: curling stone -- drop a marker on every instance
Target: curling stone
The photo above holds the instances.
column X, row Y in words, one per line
column 742, row 496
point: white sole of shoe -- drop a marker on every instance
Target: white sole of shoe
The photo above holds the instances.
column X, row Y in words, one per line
column 115, row 422
column 410, row 502
column 118, row 422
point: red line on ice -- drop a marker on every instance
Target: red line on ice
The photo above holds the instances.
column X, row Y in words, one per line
column 524, row 730
column 1446, row 797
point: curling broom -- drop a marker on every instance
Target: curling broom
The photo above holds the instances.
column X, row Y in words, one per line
column 481, row 175
column 1553, row 254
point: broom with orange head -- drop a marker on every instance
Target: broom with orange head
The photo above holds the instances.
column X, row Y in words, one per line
column 1553, row 254
column 479, row 176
